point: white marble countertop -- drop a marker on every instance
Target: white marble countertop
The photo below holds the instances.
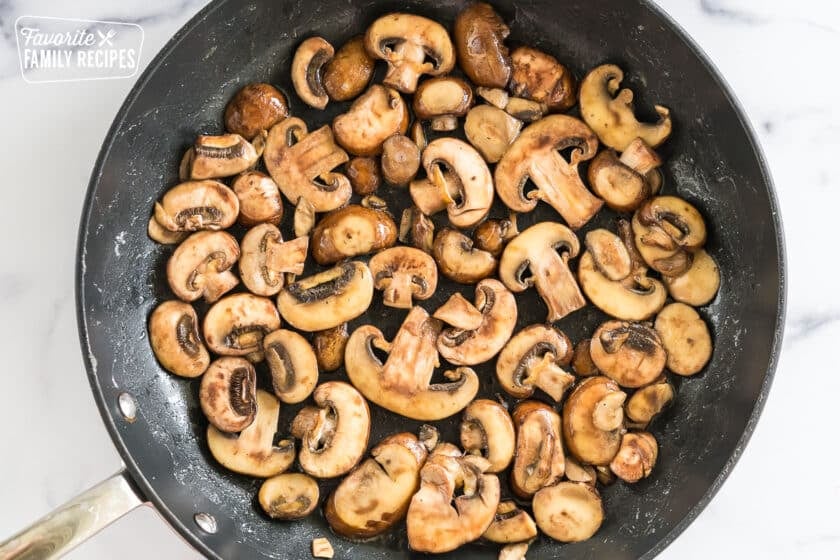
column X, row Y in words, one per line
column 777, row 56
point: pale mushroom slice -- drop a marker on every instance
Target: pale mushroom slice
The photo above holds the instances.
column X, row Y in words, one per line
column 352, row 231
column 636, row 458
column 294, row 368
column 304, row 219
column 375, row 495
column 685, row 338
column 407, row 42
column 540, row 77
column 535, row 154
column 226, row 155
column 568, row 511
column 372, row 118
column 400, row 159
column 511, row 524
column 403, row 384
column 327, row 299
column 536, row 358
column 254, row 452
column 471, row 347
column 200, row 266
column 525, row 110
column 627, row 181
column 515, row 551
column 460, row 313
column 442, row 100
column 668, row 230
column 539, row 459
column 173, row 335
column 634, row 298
column 480, row 35
column 495, row 96
column 434, row 523
column 321, row 548
column 587, row 442
column 698, row 285
column 609, row 111
column 632, row 354
column 403, row 274
column 649, row 401
column 334, row 433
column 493, row 235
column 329, row 345
column 197, row 205
column 259, row 199
column 308, row 71
column 302, row 163
column 609, row 254
column 228, row 394
column 289, row 496
column 536, row 250
column 160, row 234
column 266, row 259
column 487, row 430
column 491, row 131
column 459, row 260
column 576, row 472
column 235, row 325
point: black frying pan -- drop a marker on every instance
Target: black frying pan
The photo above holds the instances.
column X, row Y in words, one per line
column 712, row 160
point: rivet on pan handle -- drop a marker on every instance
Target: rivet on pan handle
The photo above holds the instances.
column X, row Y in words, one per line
column 76, row 521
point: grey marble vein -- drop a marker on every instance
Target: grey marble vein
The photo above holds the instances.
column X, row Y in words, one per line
column 799, row 328
column 718, row 9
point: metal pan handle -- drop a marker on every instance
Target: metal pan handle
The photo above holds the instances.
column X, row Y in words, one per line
column 76, row 521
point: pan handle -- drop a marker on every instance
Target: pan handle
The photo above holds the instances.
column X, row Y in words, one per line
column 72, row 523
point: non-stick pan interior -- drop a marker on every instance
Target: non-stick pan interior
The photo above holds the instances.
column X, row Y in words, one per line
column 711, row 160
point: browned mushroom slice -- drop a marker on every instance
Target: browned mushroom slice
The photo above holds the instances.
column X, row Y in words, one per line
column 491, row 131
column 609, row 254
column 436, row 525
column 510, row 525
column 417, row 230
column 364, row 175
column 536, row 250
column 254, row 108
column 487, row 430
column 668, row 223
column 348, row 73
column 213, row 157
column 173, row 334
column 609, row 111
column 160, row 234
column 586, row 441
column 418, row 135
column 460, row 313
column 196, row 205
column 334, row 434
column 442, row 100
column 631, row 354
column 235, row 325
column 294, row 368
column 228, row 394
column 525, row 110
column 304, row 220
column 535, row 358
column 403, row 384
column 685, row 337
column 329, row 347
column 403, row 274
column 289, row 496
column 621, row 187
column 698, row 285
column 568, row 511
column 458, row 260
column 375, row 496
column 492, row 235
column 634, row 298
column 259, row 199
column 479, row 39
column 372, row 118
column 648, row 402
column 200, row 266
column 495, row 96
column 407, row 42
column 582, row 360
column 327, row 299
column 351, row 231
column 308, row 71
column 253, row 452
column 540, row 77
column 400, row 159
column 636, row 458
column 266, row 258
column 539, row 459
column 535, row 154
column 575, row 472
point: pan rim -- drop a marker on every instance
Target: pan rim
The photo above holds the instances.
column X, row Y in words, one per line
column 108, row 410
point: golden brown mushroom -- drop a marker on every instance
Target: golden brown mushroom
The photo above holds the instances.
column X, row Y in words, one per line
column 372, row 118
column 636, row 458
column 491, row 131
column 539, row 460
column 364, row 175
column 347, row 74
column 403, row 274
column 479, row 39
column 568, row 511
column 289, row 496
column 487, row 431
column 228, row 394
column 540, row 77
column 200, row 266
column 254, row 108
column 400, row 159
column 535, row 359
column 293, row 366
column 352, row 231
column 266, row 259
column 632, row 354
column 329, row 347
column 236, row 324
column 442, row 100
column 685, row 337
column 510, row 525
column 259, row 199
column 173, row 335
column 197, row 205
column 308, row 71
column 459, row 260
column 584, row 439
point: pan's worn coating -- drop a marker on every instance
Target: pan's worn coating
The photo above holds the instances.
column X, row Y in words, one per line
column 712, row 160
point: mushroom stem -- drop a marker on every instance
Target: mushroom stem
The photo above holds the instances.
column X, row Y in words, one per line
column 412, row 370
column 548, row 376
column 288, row 256
column 640, row 157
column 216, row 285
column 445, row 123
column 560, row 186
column 557, row 286
column 406, row 65
column 609, row 411
column 398, row 292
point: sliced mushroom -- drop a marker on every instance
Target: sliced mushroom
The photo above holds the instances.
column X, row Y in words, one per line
column 429, row 436
column 621, row 187
column 253, row 452
column 685, row 337
column 162, row 235
column 582, row 359
column 418, row 135
column 636, row 458
column 400, row 159
column 406, row 42
column 372, row 118
column 480, row 35
column 213, row 157
column 375, row 496
column 266, row 258
column 510, row 525
column 609, row 254
column 294, row 368
column 442, row 100
column 197, row 205
column 587, row 442
column 535, row 154
column 469, row 198
column 535, row 358
column 491, row 131
column 698, row 285
column 334, row 434
column 459, row 313
column 436, row 525
column 235, row 325
column 536, row 249
column 514, row 551
column 610, row 112
column 632, row 354
column 228, row 394
column 259, row 199
column 417, row 230
column 540, row 77
column 327, row 299
column 304, row 220
column 648, row 402
column 302, row 165
column 471, row 347
column 609, row 412
column 525, row 110
column 364, row 175
column 575, row 472
column 352, row 231
column 321, row 548
column 403, row 384
column 492, row 235
column 635, row 298
column 667, row 231
column 487, row 431
column 568, row 511
column 496, row 96
column 200, row 266
column 173, row 334
column 329, row 347
column 254, row 108
column 348, row 73
column 308, row 71
column 539, row 458
column 458, row 260
column 403, row 274
column 289, row 496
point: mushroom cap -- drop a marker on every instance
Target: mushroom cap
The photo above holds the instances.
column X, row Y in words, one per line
column 459, row 260
column 352, row 231
column 676, row 218
column 685, row 337
column 699, row 284
column 538, row 76
column 403, row 274
column 254, row 108
column 236, row 324
column 372, row 118
column 521, row 367
column 636, row 458
column 583, row 438
column 539, row 460
column 568, row 511
column 160, row 234
column 510, row 525
column 364, row 175
column 442, row 96
column 266, row 258
column 632, row 354
column 400, row 159
column 621, row 187
column 491, row 131
column 173, row 335
column 348, row 73
column 308, row 68
column 487, row 430
column 228, row 394
column 289, row 496
column 201, row 264
column 224, row 155
column 294, row 368
column 479, row 40
column 197, row 205
column 648, row 402
column 623, row 300
column 259, row 199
